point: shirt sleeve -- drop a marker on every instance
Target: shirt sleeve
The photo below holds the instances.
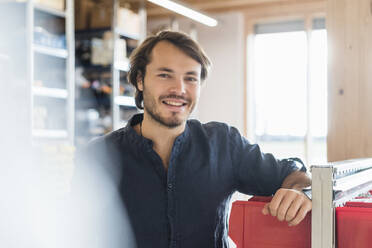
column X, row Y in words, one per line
column 258, row 173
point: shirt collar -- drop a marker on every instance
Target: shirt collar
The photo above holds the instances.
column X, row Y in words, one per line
column 140, row 140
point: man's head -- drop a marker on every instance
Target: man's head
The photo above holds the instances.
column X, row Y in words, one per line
column 167, row 70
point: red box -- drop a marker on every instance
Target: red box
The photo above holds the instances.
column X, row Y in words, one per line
column 249, row 228
column 354, row 225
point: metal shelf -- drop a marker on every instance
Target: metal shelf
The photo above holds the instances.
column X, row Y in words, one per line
column 126, row 35
column 127, row 101
column 50, row 133
column 332, row 186
column 99, row 31
column 118, row 33
column 56, row 52
column 121, row 65
column 33, row 12
column 49, row 10
column 50, row 92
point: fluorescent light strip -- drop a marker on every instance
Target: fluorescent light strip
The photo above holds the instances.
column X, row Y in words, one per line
column 182, row 10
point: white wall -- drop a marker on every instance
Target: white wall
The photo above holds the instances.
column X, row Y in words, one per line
column 222, row 95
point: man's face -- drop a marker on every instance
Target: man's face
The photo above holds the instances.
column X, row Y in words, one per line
column 171, row 86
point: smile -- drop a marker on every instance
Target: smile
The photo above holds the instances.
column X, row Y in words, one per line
column 174, row 103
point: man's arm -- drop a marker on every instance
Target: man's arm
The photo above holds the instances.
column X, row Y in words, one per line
column 297, row 180
column 289, row 203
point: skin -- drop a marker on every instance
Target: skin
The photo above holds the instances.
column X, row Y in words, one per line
column 172, row 77
column 289, row 203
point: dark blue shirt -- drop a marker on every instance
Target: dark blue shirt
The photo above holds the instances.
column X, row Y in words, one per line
column 186, row 206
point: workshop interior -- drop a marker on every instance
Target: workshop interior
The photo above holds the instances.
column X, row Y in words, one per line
column 293, row 76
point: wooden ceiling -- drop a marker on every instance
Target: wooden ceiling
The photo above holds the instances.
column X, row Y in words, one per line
column 213, row 6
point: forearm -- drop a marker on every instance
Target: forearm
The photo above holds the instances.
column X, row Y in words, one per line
column 297, row 180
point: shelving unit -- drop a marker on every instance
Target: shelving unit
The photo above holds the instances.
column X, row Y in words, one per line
column 107, row 101
column 50, row 11
column 39, row 52
column 125, row 101
column 118, row 101
column 49, row 96
column 50, row 92
column 122, row 66
column 125, row 34
column 332, row 186
column 50, row 51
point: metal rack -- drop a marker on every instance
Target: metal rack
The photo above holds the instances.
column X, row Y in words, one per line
column 332, row 186
column 120, row 104
column 116, row 99
column 68, row 54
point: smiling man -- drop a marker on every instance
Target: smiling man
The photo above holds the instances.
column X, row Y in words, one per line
column 176, row 176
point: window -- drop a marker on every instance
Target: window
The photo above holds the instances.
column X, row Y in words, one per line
column 290, row 89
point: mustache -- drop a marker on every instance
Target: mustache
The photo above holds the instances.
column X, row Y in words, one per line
column 178, row 97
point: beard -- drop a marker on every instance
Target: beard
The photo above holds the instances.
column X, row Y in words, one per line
column 151, row 107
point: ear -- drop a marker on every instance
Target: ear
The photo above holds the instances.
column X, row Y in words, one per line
column 139, row 82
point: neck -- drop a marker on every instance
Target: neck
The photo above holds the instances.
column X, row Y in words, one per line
column 162, row 137
column 159, row 133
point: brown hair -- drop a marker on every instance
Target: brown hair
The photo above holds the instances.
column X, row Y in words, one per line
column 141, row 57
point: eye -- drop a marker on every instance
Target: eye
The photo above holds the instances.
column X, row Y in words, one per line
column 191, row 79
column 164, row 75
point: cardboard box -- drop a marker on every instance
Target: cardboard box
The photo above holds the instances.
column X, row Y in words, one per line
column 55, row 4
column 102, row 50
column 128, row 22
column 101, row 15
column 83, row 9
column 94, row 15
column 121, row 48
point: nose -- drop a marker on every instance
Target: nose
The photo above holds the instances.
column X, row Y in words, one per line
column 179, row 86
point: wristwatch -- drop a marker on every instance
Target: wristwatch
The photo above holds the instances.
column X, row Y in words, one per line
column 307, row 192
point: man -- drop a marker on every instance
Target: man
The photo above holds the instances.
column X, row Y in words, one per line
column 176, row 176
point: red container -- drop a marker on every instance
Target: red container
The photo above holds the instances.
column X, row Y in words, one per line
column 249, row 228
column 354, row 225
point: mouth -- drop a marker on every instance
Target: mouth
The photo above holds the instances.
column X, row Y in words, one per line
column 174, row 103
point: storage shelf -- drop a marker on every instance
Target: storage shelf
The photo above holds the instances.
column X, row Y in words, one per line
column 50, row 92
column 96, row 68
column 126, row 35
column 50, row 133
column 56, row 52
column 50, row 10
column 99, row 31
column 125, row 101
column 122, row 65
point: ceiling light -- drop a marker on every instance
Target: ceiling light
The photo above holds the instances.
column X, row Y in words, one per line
column 185, row 11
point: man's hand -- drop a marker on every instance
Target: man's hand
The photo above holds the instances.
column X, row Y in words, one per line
column 290, row 205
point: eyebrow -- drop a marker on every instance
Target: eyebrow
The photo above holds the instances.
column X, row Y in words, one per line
column 165, row 69
column 172, row 71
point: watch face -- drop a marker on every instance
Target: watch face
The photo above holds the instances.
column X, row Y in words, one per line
column 307, row 192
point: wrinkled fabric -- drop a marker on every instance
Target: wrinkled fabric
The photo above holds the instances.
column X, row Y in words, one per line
column 186, row 206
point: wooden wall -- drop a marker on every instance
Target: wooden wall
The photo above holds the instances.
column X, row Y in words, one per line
column 349, row 25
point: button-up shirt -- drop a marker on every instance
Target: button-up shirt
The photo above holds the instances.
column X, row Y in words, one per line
column 187, row 205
